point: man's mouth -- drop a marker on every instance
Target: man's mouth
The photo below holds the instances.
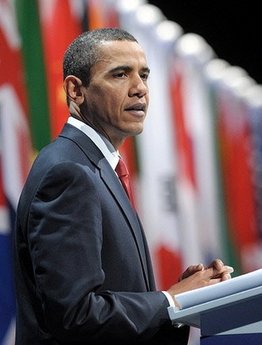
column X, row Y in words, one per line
column 138, row 107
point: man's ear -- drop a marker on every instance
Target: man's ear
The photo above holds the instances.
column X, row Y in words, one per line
column 73, row 89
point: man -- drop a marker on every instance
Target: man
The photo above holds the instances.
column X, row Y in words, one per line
column 83, row 271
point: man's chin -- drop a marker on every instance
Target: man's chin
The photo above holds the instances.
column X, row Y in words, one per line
column 137, row 130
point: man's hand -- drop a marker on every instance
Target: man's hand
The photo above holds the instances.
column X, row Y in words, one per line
column 197, row 276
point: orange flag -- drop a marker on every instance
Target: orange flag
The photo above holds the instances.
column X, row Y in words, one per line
column 101, row 14
column 60, row 24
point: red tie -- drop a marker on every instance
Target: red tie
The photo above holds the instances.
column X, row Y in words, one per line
column 122, row 172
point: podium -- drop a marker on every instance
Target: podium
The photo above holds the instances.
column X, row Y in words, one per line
column 234, row 317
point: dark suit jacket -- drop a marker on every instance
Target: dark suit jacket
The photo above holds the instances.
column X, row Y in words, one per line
column 83, row 271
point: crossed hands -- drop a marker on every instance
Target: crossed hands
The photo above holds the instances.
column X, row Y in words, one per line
column 197, row 276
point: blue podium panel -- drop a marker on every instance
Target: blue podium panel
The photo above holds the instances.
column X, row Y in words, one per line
column 233, row 339
column 232, row 316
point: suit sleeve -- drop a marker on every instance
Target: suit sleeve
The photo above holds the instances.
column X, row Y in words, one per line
column 65, row 237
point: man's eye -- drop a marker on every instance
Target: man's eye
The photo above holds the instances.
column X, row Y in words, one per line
column 120, row 75
column 144, row 76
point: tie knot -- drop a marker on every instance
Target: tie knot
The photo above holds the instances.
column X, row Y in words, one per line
column 121, row 168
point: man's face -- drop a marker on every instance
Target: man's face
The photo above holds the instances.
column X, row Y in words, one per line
column 116, row 100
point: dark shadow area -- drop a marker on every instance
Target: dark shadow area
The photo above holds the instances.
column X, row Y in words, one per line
column 232, row 29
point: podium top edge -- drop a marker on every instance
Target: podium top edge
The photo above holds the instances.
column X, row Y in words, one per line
column 191, row 315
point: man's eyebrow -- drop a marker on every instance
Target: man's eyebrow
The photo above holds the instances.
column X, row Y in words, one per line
column 121, row 68
column 127, row 68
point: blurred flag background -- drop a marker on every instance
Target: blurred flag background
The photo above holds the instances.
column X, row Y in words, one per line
column 196, row 168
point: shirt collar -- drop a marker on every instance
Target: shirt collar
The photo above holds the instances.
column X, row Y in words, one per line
column 111, row 155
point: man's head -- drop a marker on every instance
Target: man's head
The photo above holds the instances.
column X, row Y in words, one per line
column 83, row 52
column 105, row 79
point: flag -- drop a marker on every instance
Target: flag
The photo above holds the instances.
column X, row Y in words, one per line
column 60, row 23
column 102, row 13
column 33, row 62
column 235, row 135
column 96, row 15
column 186, row 184
column 15, row 158
column 252, row 255
column 7, row 294
column 156, row 158
column 214, row 72
column 254, row 103
column 193, row 125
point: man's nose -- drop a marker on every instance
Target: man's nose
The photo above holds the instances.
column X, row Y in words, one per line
column 138, row 87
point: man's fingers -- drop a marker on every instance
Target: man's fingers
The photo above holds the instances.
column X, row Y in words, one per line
column 217, row 264
column 225, row 276
column 228, row 269
column 224, row 273
column 191, row 270
column 216, row 270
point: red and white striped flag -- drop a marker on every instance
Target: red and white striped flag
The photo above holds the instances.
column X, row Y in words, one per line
column 15, row 157
column 194, row 142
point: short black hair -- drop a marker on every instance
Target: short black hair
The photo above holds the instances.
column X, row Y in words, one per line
column 83, row 52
